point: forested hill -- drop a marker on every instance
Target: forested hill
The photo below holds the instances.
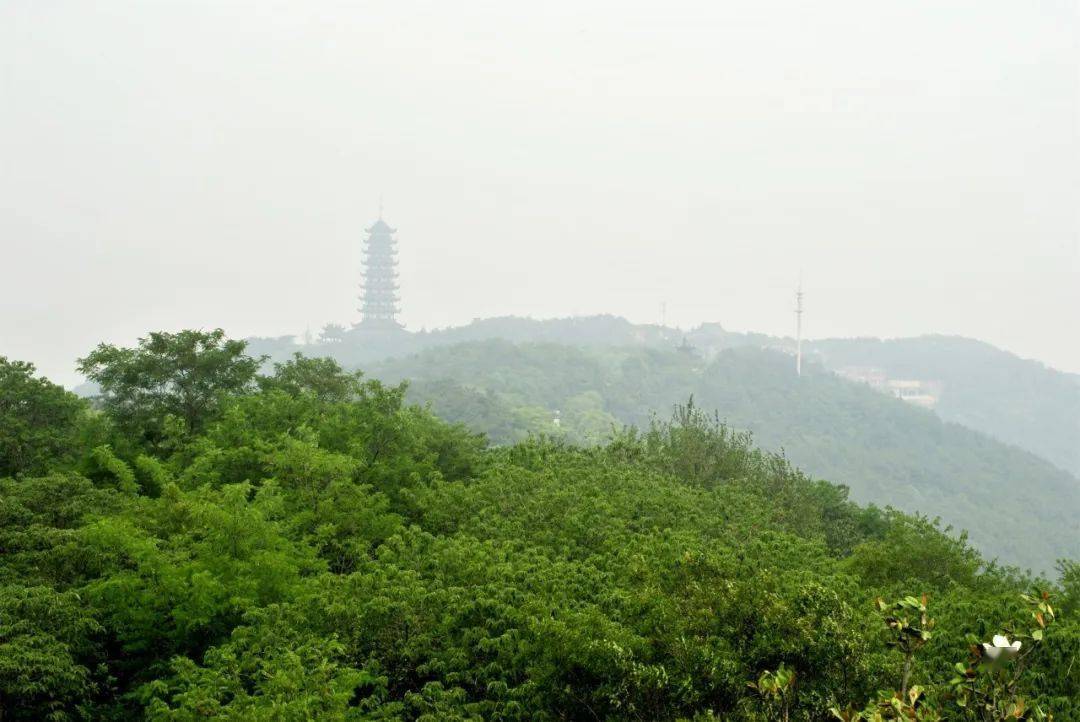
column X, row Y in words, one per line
column 1015, row 400
column 985, row 388
column 213, row 539
column 886, row 451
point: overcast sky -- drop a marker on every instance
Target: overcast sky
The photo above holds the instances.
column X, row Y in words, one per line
column 199, row 164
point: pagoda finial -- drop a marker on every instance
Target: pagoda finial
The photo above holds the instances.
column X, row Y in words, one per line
column 380, row 206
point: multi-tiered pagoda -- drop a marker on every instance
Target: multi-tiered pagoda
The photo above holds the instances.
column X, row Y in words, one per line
column 378, row 296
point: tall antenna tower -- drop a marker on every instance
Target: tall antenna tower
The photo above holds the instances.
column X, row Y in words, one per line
column 798, row 327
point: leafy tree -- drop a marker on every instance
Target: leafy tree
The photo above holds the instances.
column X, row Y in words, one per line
column 989, row 686
column 39, row 421
column 269, row 669
column 777, row 688
column 47, row 639
column 908, row 631
column 986, row 689
column 185, row 375
column 322, row 377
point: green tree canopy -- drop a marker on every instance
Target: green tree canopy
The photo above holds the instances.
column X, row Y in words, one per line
column 184, row 375
column 39, row 421
column 313, row 547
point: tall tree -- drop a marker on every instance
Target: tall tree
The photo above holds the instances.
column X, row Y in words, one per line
column 322, row 377
column 185, row 375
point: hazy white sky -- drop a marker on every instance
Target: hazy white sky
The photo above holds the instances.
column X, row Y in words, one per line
column 186, row 164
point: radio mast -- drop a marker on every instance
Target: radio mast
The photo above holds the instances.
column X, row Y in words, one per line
column 798, row 327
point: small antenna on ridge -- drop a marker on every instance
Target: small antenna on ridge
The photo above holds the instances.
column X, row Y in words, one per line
column 798, row 326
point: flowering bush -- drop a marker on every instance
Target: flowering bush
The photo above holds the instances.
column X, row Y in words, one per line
column 986, row 688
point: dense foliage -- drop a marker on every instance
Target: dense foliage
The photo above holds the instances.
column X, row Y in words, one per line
column 887, row 452
column 307, row 545
column 38, row 420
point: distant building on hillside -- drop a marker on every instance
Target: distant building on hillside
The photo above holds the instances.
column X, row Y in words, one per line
column 379, row 289
column 914, row 391
column 872, row 376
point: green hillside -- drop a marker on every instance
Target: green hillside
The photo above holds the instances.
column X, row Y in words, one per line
column 887, row 452
column 212, row 542
column 1016, row 400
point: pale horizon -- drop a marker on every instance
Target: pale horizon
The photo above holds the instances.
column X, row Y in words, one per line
column 214, row 165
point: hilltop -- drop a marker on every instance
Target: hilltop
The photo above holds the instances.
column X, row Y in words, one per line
column 1014, row 400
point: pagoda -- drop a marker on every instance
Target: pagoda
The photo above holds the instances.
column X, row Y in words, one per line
column 378, row 296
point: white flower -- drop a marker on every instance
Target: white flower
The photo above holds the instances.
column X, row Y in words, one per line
column 1001, row 645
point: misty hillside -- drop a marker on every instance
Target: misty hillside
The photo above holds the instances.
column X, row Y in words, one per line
column 1015, row 400
column 627, row 410
column 886, row 451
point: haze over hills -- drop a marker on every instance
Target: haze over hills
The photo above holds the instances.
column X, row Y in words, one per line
column 547, row 513
column 1015, row 400
column 510, row 377
column 885, row 450
column 1001, row 437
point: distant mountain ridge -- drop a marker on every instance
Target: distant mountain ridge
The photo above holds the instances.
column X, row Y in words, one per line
column 984, row 388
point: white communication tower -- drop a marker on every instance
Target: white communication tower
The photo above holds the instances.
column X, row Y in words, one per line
column 798, row 327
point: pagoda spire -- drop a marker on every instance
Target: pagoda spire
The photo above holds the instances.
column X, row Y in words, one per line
column 379, row 289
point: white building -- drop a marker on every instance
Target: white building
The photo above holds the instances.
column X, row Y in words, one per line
column 914, row 391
